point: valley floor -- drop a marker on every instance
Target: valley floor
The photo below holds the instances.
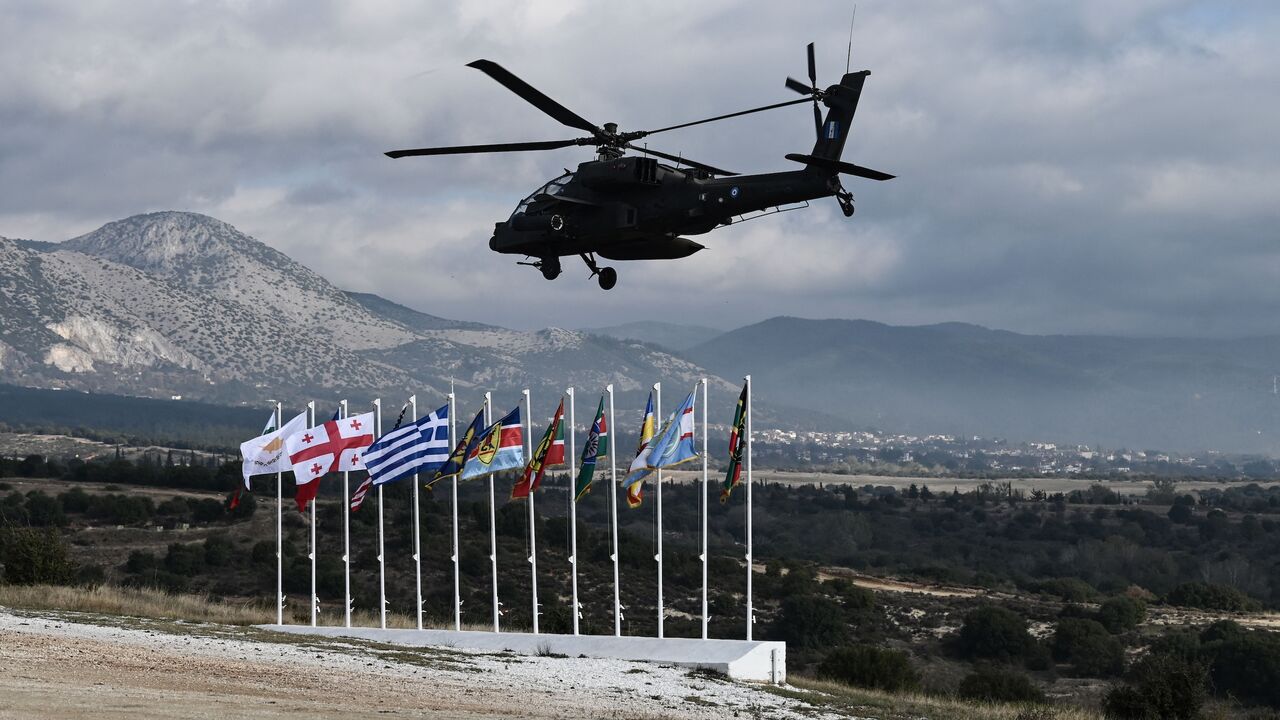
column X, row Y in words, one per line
column 71, row 665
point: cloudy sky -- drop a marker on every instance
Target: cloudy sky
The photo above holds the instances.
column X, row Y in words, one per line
column 1083, row 166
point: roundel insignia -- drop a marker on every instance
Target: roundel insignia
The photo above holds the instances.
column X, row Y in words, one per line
column 733, row 191
column 489, row 446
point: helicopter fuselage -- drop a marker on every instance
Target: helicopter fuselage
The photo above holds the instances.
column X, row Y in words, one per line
column 635, row 208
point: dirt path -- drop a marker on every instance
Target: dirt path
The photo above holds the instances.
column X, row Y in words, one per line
column 62, row 667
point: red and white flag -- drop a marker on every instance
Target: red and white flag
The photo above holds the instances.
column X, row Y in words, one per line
column 332, row 447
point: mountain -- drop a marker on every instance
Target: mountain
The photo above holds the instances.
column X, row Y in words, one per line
column 176, row 303
column 671, row 336
column 1159, row 392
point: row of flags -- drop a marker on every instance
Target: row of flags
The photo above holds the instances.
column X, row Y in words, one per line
column 421, row 447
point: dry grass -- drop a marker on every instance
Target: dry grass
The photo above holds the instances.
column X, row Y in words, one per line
column 840, row 697
column 139, row 602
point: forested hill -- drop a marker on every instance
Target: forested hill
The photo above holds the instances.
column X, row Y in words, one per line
column 1188, row 394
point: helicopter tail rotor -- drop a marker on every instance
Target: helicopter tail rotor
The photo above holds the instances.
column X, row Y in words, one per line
column 811, row 90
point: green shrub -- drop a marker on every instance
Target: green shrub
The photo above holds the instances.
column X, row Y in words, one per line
column 1245, row 666
column 44, row 511
column 1207, row 596
column 1159, row 687
column 993, row 633
column 810, row 622
column 871, row 667
column 1069, row 589
column 994, row 685
column 34, row 556
column 1088, row 647
column 1121, row 614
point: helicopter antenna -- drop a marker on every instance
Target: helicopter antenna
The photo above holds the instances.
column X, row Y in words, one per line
column 848, row 55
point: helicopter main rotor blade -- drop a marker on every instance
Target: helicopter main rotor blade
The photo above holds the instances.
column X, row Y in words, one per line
column 817, row 118
column 798, row 86
column 684, row 160
column 500, row 147
column 645, row 133
column 534, row 96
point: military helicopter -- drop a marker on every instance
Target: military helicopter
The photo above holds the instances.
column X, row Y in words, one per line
column 625, row 207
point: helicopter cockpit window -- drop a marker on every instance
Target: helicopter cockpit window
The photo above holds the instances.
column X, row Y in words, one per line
column 554, row 187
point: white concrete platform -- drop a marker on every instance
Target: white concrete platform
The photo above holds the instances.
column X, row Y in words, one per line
column 738, row 659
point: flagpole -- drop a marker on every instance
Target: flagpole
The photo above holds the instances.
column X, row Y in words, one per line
column 417, row 527
column 613, row 520
column 457, row 590
column 493, row 531
column 533, row 535
column 573, row 511
column 657, row 391
column 382, row 563
column 315, row 600
column 751, row 618
column 279, row 533
column 346, row 533
column 703, row 503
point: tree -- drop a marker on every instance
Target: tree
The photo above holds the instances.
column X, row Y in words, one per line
column 871, row 667
column 995, row 685
column 1163, row 491
column 1159, row 687
column 810, row 622
column 1208, row 596
column 1088, row 647
column 34, row 556
column 1121, row 614
column 993, row 633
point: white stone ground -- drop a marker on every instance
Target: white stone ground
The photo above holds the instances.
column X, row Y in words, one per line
column 63, row 665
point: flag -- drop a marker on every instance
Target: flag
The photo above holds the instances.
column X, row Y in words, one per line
column 640, row 465
column 542, row 457
column 334, row 446
column 736, row 443
column 265, row 453
column 499, row 447
column 674, row 445
column 458, row 457
column 597, row 446
column 555, row 453
column 422, row 446
column 357, row 497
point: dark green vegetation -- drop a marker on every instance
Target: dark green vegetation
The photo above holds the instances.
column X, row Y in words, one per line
column 1062, row 588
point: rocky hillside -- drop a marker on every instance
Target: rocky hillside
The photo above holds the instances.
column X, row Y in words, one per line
column 178, row 303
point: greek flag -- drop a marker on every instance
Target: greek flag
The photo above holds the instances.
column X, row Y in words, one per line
column 418, row 447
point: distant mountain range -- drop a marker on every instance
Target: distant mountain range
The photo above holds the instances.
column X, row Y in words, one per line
column 953, row 378
column 177, row 303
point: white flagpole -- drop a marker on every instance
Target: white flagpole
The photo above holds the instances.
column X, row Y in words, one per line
column 573, row 511
column 705, row 617
column 613, row 521
column 533, row 535
column 457, row 589
column 279, row 535
column 657, row 391
column 751, row 617
column 315, row 600
column 493, row 529
column 417, row 526
column 382, row 563
column 346, row 534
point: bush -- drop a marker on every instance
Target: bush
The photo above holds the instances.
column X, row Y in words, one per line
column 1121, row 614
column 1207, row 596
column 75, row 500
column 264, row 553
column 810, row 622
column 1159, row 687
column 1245, row 665
column 870, row 667
column 993, row 633
column 1088, row 647
column 44, row 511
column 1069, row 589
column 994, row 685
column 34, row 556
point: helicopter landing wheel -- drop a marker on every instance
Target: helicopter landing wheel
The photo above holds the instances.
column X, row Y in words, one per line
column 608, row 278
column 550, row 268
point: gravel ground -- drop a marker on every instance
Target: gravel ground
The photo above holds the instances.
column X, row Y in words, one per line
column 71, row 665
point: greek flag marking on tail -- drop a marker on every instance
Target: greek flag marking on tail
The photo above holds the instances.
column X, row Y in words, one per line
column 418, row 447
column 832, row 129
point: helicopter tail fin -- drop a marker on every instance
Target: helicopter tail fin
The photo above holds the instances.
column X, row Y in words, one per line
column 842, row 101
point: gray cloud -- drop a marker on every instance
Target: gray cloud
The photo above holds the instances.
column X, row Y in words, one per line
column 1064, row 166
